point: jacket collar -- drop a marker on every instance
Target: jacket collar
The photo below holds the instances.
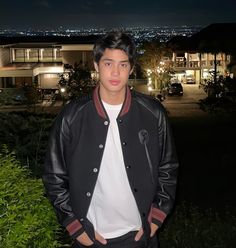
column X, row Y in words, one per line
column 100, row 108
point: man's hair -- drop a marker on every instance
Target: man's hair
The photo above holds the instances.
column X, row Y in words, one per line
column 115, row 40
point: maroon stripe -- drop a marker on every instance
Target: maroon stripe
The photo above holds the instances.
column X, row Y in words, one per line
column 100, row 108
column 98, row 103
column 127, row 102
column 150, row 216
column 73, row 227
column 158, row 214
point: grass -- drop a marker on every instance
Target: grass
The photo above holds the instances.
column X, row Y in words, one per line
column 206, row 151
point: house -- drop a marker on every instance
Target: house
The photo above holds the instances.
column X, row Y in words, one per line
column 211, row 49
column 28, row 60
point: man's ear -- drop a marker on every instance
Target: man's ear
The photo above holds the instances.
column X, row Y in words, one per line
column 96, row 66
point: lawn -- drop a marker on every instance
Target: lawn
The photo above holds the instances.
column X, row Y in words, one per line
column 206, row 151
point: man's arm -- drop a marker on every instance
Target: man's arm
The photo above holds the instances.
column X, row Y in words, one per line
column 167, row 173
column 55, row 175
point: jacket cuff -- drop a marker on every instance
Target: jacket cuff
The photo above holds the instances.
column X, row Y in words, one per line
column 75, row 228
column 157, row 216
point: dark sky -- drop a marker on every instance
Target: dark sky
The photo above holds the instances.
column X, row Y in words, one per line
column 113, row 13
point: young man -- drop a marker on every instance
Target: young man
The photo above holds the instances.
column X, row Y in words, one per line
column 111, row 167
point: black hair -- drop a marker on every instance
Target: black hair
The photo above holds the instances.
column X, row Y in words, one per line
column 115, row 40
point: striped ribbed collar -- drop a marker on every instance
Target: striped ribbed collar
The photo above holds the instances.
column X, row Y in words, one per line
column 100, row 109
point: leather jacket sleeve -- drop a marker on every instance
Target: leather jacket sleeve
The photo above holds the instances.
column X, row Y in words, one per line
column 167, row 172
column 55, row 177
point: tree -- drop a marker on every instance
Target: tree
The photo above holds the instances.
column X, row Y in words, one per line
column 152, row 61
column 76, row 81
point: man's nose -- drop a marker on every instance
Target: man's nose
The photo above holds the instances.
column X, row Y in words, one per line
column 115, row 70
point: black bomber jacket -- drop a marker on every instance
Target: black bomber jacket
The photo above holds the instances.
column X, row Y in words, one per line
column 76, row 148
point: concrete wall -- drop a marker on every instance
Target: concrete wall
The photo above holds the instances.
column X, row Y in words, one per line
column 4, row 56
column 84, row 57
column 48, row 81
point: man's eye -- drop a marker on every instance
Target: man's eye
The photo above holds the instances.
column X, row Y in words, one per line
column 124, row 65
column 107, row 64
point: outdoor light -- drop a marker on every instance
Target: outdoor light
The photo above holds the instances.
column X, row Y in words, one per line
column 149, row 72
column 162, row 63
column 63, row 90
column 150, row 88
column 66, row 75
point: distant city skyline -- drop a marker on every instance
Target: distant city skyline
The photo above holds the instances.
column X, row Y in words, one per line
column 163, row 34
column 76, row 14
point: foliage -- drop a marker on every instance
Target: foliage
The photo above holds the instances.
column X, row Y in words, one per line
column 27, row 135
column 221, row 95
column 77, row 81
column 191, row 227
column 11, row 96
column 153, row 63
column 32, row 94
column 27, row 218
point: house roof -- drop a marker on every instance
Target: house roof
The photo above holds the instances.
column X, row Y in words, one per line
column 52, row 40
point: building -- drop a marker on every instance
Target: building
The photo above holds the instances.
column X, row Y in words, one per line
column 211, row 49
column 24, row 61
column 40, row 60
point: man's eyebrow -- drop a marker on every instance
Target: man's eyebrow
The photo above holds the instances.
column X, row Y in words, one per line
column 122, row 61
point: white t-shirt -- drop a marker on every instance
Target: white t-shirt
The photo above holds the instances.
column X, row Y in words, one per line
column 113, row 210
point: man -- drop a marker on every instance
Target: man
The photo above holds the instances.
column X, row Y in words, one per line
column 111, row 167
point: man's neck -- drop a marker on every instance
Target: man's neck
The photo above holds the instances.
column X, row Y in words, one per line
column 113, row 98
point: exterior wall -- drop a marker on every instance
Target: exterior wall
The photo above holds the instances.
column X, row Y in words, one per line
column 48, row 81
column 83, row 57
column 36, row 55
column 194, row 63
column 4, row 56
column 22, row 81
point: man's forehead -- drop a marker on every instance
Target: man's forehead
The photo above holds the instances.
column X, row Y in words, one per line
column 116, row 52
column 115, row 55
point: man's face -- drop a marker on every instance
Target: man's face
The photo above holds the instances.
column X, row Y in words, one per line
column 114, row 69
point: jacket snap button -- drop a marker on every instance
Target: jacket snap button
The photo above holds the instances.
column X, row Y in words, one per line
column 124, row 143
column 120, row 121
column 95, row 170
column 128, row 166
column 106, row 123
column 135, row 190
column 100, row 146
column 88, row 194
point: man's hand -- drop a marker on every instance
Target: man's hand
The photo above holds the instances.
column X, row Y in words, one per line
column 100, row 239
column 154, row 228
column 139, row 235
column 86, row 241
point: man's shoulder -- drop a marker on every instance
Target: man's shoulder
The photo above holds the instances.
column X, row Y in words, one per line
column 73, row 107
column 149, row 102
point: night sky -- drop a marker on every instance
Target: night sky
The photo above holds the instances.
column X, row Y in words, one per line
column 113, row 13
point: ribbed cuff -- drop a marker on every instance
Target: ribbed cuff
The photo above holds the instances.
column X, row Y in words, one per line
column 74, row 228
column 156, row 216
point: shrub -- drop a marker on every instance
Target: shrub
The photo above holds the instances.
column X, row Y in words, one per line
column 27, row 135
column 27, row 219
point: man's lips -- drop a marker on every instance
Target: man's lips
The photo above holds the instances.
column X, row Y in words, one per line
column 114, row 82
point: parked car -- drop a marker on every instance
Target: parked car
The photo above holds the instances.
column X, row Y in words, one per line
column 190, row 80
column 175, row 88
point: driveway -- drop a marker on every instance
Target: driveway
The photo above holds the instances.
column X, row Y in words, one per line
column 186, row 105
column 176, row 106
